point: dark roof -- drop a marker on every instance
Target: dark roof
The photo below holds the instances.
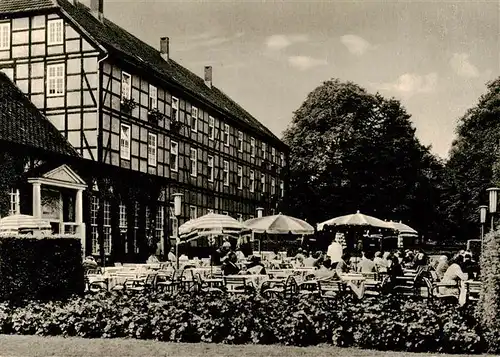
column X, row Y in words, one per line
column 25, row 5
column 22, row 123
column 120, row 42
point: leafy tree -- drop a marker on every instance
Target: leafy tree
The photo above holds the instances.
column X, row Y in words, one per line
column 474, row 163
column 351, row 150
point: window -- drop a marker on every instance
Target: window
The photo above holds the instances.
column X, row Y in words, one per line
column 55, row 32
column 273, row 186
column 125, row 142
column 122, row 221
column 14, row 202
column 107, row 228
column 226, row 134
column 282, row 159
column 211, row 168
column 252, row 181
column 153, row 97
column 264, row 151
column 273, row 155
column 136, row 227
column 174, row 223
column 174, row 156
column 282, row 188
column 4, row 36
column 126, row 85
column 152, row 148
column 94, row 209
column 193, row 160
column 55, row 80
column 175, row 109
column 240, row 141
column 263, row 182
column 159, row 231
column 211, row 127
column 194, row 119
column 252, row 147
column 240, row 177
column 225, row 175
column 193, row 212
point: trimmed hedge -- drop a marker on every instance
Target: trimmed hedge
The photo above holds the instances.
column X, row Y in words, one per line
column 383, row 323
column 40, row 268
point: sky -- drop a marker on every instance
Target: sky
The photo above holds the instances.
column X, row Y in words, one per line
column 434, row 56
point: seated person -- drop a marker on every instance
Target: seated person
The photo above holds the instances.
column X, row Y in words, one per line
column 255, row 266
column 239, row 255
column 470, row 267
column 89, row 263
column 300, row 255
column 309, row 261
column 453, row 275
column 342, row 266
column 229, row 266
column 442, row 266
column 171, row 255
column 366, row 265
column 153, row 259
column 380, row 262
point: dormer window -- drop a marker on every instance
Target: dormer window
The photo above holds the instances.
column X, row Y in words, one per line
column 4, row 36
column 153, row 97
column 175, row 109
column 126, row 86
column 55, row 32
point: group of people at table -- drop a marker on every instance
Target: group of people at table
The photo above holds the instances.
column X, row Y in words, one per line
column 338, row 263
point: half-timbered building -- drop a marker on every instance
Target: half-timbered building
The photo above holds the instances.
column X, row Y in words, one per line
column 145, row 126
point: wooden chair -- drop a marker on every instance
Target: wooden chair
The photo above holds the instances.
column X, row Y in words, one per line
column 96, row 285
column 237, row 285
column 433, row 290
column 167, row 283
column 147, row 284
column 205, row 287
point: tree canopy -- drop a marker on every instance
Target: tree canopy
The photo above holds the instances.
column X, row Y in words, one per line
column 474, row 163
column 352, row 150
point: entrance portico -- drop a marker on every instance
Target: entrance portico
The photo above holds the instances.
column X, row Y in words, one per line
column 58, row 198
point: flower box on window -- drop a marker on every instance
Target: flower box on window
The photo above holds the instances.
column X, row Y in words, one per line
column 175, row 125
column 154, row 115
column 127, row 105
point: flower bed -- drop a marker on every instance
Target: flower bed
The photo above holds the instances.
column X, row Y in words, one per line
column 382, row 323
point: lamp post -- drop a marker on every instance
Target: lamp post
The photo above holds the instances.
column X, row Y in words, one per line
column 482, row 218
column 493, row 200
column 177, row 213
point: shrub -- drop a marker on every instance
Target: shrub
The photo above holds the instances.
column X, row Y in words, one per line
column 40, row 268
column 383, row 323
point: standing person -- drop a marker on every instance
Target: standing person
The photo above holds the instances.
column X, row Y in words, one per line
column 171, row 255
column 334, row 251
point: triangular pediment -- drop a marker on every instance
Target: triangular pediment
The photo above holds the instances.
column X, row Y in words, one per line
column 64, row 174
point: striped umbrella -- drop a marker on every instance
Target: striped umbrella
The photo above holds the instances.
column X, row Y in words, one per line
column 357, row 219
column 279, row 224
column 18, row 222
column 402, row 228
column 211, row 224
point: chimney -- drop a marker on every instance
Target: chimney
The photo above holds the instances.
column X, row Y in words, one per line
column 165, row 48
column 208, row 76
column 259, row 212
column 97, row 9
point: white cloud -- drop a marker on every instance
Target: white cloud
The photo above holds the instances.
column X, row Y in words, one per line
column 279, row 42
column 355, row 44
column 206, row 39
column 460, row 63
column 304, row 63
column 411, row 83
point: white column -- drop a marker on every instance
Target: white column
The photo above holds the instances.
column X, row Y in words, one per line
column 79, row 207
column 37, row 200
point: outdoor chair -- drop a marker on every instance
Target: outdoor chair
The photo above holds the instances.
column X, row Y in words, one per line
column 147, row 284
column 130, row 281
column 433, row 290
column 205, row 287
column 373, row 283
column 96, row 285
column 167, row 283
column 331, row 288
column 238, row 285
column 274, row 287
column 410, row 284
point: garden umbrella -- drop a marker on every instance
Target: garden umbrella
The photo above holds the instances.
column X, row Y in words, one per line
column 17, row 222
column 279, row 224
column 357, row 219
column 401, row 228
column 211, row 224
